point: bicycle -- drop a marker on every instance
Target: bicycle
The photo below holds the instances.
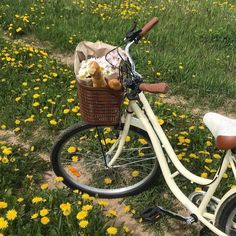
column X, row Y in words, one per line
column 133, row 155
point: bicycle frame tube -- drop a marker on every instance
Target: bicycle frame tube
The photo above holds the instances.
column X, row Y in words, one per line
column 158, row 139
column 167, row 146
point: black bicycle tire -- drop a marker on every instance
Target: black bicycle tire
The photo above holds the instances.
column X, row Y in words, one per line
column 70, row 131
column 227, row 207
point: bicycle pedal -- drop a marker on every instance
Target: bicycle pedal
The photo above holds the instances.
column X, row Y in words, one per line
column 151, row 214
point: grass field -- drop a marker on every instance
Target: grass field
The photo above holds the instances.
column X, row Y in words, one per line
column 193, row 48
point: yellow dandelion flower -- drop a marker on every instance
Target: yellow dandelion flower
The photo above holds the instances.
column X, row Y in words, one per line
column 187, row 140
column 5, row 160
column 65, row 206
column 71, row 149
column 142, row 141
column 19, row 29
column 111, row 213
column 20, row 199
column 70, row 100
column 216, row 156
column 103, row 202
column 225, row 176
column 75, row 158
column 3, row 205
column 208, row 143
column 192, row 155
column 112, row 230
column 87, row 207
column 17, row 129
column 107, row 180
column 66, row 111
column 44, row 186
column 161, row 122
column 36, row 95
column 127, row 208
column 34, row 216
column 59, row 179
column 3, row 126
column 83, row 223
column 35, row 104
column 7, row 151
column 44, row 212
column 208, row 160
column 37, row 199
column 85, row 196
column 3, row 223
column 45, row 220
column 11, row 214
column 135, row 173
column 49, row 115
column 182, row 116
column 127, row 139
column 54, row 74
column 198, row 189
column 204, row 175
column 81, row 215
column 30, row 119
column 74, row 109
column 17, row 122
column 17, row 99
column 53, row 122
column 126, row 229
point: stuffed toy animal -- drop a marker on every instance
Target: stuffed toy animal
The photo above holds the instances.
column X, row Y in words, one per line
column 97, row 76
column 114, row 84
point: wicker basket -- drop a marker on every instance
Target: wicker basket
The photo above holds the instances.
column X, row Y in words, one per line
column 100, row 106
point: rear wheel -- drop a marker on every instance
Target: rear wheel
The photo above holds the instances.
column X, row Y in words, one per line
column 79, row 156
column 226, row 216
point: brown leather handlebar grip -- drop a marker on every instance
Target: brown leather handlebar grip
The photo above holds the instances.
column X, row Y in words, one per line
column 154, row 88
column 148, row 26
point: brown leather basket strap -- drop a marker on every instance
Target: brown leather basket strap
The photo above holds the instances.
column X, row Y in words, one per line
column 148, row 26
column 154, row 88
column 226, row 142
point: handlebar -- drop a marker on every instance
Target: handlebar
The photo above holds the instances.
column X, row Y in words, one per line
column 148, row 26
column 154, row 88
column 136, row 82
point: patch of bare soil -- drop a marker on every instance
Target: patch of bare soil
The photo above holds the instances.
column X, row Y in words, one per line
column 12, row 138
column 226, row 109
column 135, row 228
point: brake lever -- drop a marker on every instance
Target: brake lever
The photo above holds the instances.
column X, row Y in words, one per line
column 131, row 34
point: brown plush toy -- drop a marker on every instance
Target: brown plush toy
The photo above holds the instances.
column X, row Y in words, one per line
column 96, row 74
column 114, row 84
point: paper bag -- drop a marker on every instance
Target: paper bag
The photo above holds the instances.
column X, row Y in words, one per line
column 86, row 50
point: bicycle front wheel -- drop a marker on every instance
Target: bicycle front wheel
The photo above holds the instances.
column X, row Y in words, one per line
column 79, row 156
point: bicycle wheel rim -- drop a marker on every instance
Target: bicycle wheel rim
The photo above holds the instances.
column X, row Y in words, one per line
column 230, row 228
column 109, row 189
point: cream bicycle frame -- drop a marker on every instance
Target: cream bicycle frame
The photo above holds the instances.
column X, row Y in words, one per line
column 146, row 120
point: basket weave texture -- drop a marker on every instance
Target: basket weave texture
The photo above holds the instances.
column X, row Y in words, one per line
column 100, row 106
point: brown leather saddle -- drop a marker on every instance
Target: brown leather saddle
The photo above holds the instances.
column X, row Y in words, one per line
column 223, row 129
